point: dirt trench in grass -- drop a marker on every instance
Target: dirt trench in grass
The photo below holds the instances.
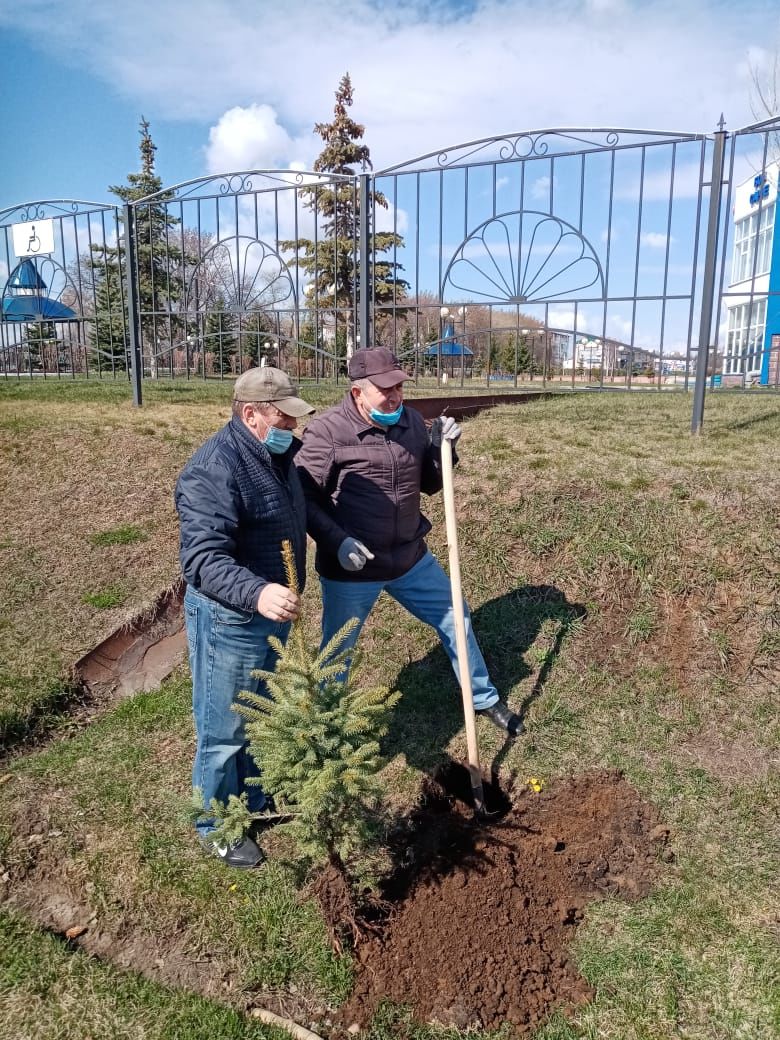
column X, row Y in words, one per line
column 482, row 936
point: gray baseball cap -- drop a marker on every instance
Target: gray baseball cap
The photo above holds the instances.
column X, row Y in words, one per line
column 271, row 386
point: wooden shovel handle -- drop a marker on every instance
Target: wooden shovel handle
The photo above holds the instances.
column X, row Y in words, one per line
column 460, row 628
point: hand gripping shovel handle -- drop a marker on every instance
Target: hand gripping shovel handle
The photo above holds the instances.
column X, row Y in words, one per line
column 460, row 630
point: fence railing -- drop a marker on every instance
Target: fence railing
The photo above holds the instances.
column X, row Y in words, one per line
column 596, row 258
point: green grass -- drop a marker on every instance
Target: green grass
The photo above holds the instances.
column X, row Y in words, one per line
column 104, row 599
column 50, row 992
column 625, row 593
column 124, row 825
column 126, row 534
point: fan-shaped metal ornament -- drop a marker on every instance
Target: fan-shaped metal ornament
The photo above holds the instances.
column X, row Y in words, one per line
column 524, row 257
column 245, row 272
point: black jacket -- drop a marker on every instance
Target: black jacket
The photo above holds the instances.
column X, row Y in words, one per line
column 237, row 503
column 363, row 481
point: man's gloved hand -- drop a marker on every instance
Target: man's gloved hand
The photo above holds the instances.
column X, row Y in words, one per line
column 353, row 555
column 444, row 429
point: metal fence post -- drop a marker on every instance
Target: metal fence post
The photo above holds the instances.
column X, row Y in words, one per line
column 708, row 285
column 364, row 300
column 131, row 295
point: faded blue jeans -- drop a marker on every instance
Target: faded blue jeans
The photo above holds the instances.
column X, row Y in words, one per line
column 225, row 645
column 426, row 593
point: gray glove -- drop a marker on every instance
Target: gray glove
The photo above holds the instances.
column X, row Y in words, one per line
column 444, row 429
column 353, row 555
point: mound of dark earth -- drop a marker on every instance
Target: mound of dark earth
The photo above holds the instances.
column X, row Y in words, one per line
column 481, row 935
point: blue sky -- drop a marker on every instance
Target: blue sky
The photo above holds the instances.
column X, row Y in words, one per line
column 236, row 84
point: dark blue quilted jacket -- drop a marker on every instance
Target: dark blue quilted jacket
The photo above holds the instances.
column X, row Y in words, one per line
column 237, row 503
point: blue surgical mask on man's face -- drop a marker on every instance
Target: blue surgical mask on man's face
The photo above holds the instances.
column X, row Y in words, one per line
column 277, row 441
column 387, row 418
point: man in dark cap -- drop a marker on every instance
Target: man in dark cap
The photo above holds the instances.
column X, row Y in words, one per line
column 238, row 499
column 363, row 465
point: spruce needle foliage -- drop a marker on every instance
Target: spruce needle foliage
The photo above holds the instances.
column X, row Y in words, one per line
column 316, row 737
column 233, row 818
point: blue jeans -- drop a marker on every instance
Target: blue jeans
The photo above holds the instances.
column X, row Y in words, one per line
column 224, row 645
column 426, row 593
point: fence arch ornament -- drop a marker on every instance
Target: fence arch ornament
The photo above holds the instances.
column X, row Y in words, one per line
column 537, row 144
column 46, row 290
column 521, row 257
column 247, row 273
column 241, row 182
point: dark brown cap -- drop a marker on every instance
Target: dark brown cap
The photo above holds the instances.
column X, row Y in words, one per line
column 377, row 364
column 271, row 386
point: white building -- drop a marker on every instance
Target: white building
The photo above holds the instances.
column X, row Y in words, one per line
column 753, row 312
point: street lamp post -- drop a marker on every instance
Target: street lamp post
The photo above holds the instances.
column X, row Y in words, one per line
column 457, row 315
column 189, row 343
column 525, row 333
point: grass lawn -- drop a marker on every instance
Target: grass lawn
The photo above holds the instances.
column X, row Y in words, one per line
column 624, row 580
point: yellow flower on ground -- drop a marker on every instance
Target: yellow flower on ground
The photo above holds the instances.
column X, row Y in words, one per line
column 535, row 783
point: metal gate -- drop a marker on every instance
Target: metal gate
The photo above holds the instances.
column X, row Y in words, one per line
column 232, row 271
column 594, row 258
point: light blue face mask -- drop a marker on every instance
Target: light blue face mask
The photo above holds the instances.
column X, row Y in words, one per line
column 277, row 441
column 387, row 418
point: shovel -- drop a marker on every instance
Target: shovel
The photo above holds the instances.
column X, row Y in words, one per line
column 475, row 774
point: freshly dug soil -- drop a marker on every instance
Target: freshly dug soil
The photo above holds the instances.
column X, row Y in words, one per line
column 481, row 937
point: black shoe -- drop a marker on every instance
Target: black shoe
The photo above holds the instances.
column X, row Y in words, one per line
column 243, row 854
column 501, row 716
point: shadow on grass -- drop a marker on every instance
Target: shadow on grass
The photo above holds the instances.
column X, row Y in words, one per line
column 745, row 423
column 26, row 726
column 430, row 712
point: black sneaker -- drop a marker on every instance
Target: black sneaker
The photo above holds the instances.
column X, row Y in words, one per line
column 243, row 854
column 502, row 717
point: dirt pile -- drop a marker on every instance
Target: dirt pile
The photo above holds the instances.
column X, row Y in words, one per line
column 482, row 936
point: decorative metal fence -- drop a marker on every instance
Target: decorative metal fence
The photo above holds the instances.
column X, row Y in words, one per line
column 595, row 258
column 63, row 297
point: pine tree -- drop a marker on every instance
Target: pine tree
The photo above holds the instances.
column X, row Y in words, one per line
column 109, row 335
column 332, row 261
column 159, row 266
column 316, row 736
column 219, row 337
column 257, row 336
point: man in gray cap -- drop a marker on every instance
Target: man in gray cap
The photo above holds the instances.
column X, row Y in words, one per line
column 363, row 465
column 238, row 499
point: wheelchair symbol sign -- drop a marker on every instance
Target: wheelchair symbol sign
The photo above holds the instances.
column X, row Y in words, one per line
column 34, row 238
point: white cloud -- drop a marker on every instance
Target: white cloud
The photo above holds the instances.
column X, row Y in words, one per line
column 656, row 239
column 204, row 59
column 252, row 138
column 563, row 318
column 619, row 328
column 656, row 185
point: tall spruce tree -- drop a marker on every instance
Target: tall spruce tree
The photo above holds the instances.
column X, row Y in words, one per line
column 332, row 261
column 220, row 337
column 110, row 329
column 159, row 265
